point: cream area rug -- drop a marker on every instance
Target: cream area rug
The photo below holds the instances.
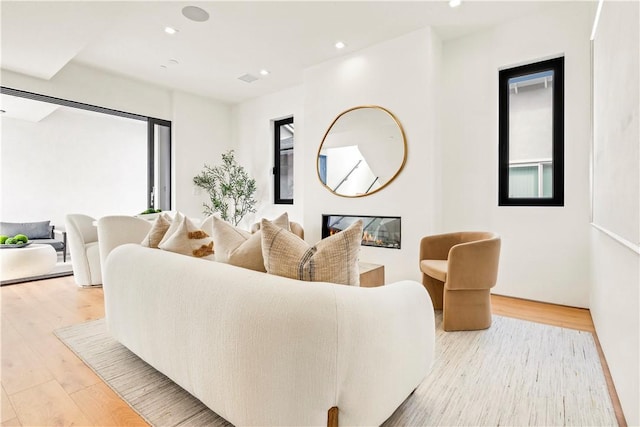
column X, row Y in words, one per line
column 516, row 373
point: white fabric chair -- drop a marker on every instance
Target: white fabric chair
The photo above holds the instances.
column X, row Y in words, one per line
column 82, row 236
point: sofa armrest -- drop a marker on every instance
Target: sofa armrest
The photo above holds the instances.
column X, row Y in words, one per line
column 386, row 342
column 60, row 235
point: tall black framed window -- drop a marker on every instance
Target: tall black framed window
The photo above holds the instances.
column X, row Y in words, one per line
column 159, row 164
column 283, row 138
column 531, row 134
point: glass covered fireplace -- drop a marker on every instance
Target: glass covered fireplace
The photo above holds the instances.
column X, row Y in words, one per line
column 378, row 231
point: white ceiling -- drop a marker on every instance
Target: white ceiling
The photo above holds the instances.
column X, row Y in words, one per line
column 127, row 38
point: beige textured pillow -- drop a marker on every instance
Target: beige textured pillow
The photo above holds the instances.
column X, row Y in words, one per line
column 175, row 223
column 157, row 231
column 333, row 259
column 239, row 247
column 189, row 240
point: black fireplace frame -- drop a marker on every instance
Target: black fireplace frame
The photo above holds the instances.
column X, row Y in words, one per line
column 326, row 227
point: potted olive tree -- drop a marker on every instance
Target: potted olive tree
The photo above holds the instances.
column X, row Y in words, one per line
column 231, row 191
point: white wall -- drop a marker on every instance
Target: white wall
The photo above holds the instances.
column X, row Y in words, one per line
column 615, row 292
column 615, row 309
column 201, row 133
column 400, row 75
column 253, row 139
column 72, row 161
column 545, row 250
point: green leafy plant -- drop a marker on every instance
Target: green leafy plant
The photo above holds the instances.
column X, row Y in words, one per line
column 230, row 189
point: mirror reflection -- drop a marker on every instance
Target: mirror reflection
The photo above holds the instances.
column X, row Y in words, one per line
column 362, row 151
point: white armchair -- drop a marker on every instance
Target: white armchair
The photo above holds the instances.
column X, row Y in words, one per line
column 82, row 236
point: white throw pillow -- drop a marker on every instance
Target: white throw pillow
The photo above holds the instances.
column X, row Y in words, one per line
column 157, row 232
column 190, row 240
column 333, row 259
column 175, row 223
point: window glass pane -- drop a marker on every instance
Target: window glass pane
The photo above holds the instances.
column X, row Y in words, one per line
column 286, row 174
column 285, row 146
column 322, row 167
column 530, row 126
column 547, row 180
column 162, row 167
column 523, row 181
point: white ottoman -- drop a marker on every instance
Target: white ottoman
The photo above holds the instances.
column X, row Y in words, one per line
column 30, row 261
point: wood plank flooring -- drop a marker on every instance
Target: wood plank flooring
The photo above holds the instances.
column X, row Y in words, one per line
column 44, row 383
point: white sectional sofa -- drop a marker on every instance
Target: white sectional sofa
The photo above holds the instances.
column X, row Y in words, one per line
column 260, row 349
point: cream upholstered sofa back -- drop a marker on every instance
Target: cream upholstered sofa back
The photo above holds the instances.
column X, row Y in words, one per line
column 260, row 349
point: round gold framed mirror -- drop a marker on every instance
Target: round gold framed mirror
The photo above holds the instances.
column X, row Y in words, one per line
column 362, row 151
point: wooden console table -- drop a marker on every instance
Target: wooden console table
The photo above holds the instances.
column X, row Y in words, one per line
column 371, row 275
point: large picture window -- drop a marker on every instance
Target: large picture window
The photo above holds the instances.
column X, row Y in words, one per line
column 283, row 169
column 531, row 134
column 89, row 138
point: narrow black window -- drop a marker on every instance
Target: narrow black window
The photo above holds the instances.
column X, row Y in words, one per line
column 531, row 134
column 283, row 169
column 159, row 164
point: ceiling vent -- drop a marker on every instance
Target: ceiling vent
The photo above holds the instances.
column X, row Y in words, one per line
column 248, row 78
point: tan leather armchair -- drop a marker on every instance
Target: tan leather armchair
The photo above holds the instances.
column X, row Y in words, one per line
column 459, row 270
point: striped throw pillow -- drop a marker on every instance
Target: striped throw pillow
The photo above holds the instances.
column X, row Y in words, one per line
column 333, row 259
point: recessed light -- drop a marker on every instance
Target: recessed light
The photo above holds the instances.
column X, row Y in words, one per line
column 264, row 72
column 2, row 111
column 454, row 3
column 340, row 45
column 195, row 13
column 170, row 30
column 164, row 67
column 173, row 62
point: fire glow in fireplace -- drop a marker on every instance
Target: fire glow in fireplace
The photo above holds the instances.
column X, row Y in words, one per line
column 378, row 231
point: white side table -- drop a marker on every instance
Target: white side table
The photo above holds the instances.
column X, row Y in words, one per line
column 30, row 261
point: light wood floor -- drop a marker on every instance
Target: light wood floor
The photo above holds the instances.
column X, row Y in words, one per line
column 44, row 383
